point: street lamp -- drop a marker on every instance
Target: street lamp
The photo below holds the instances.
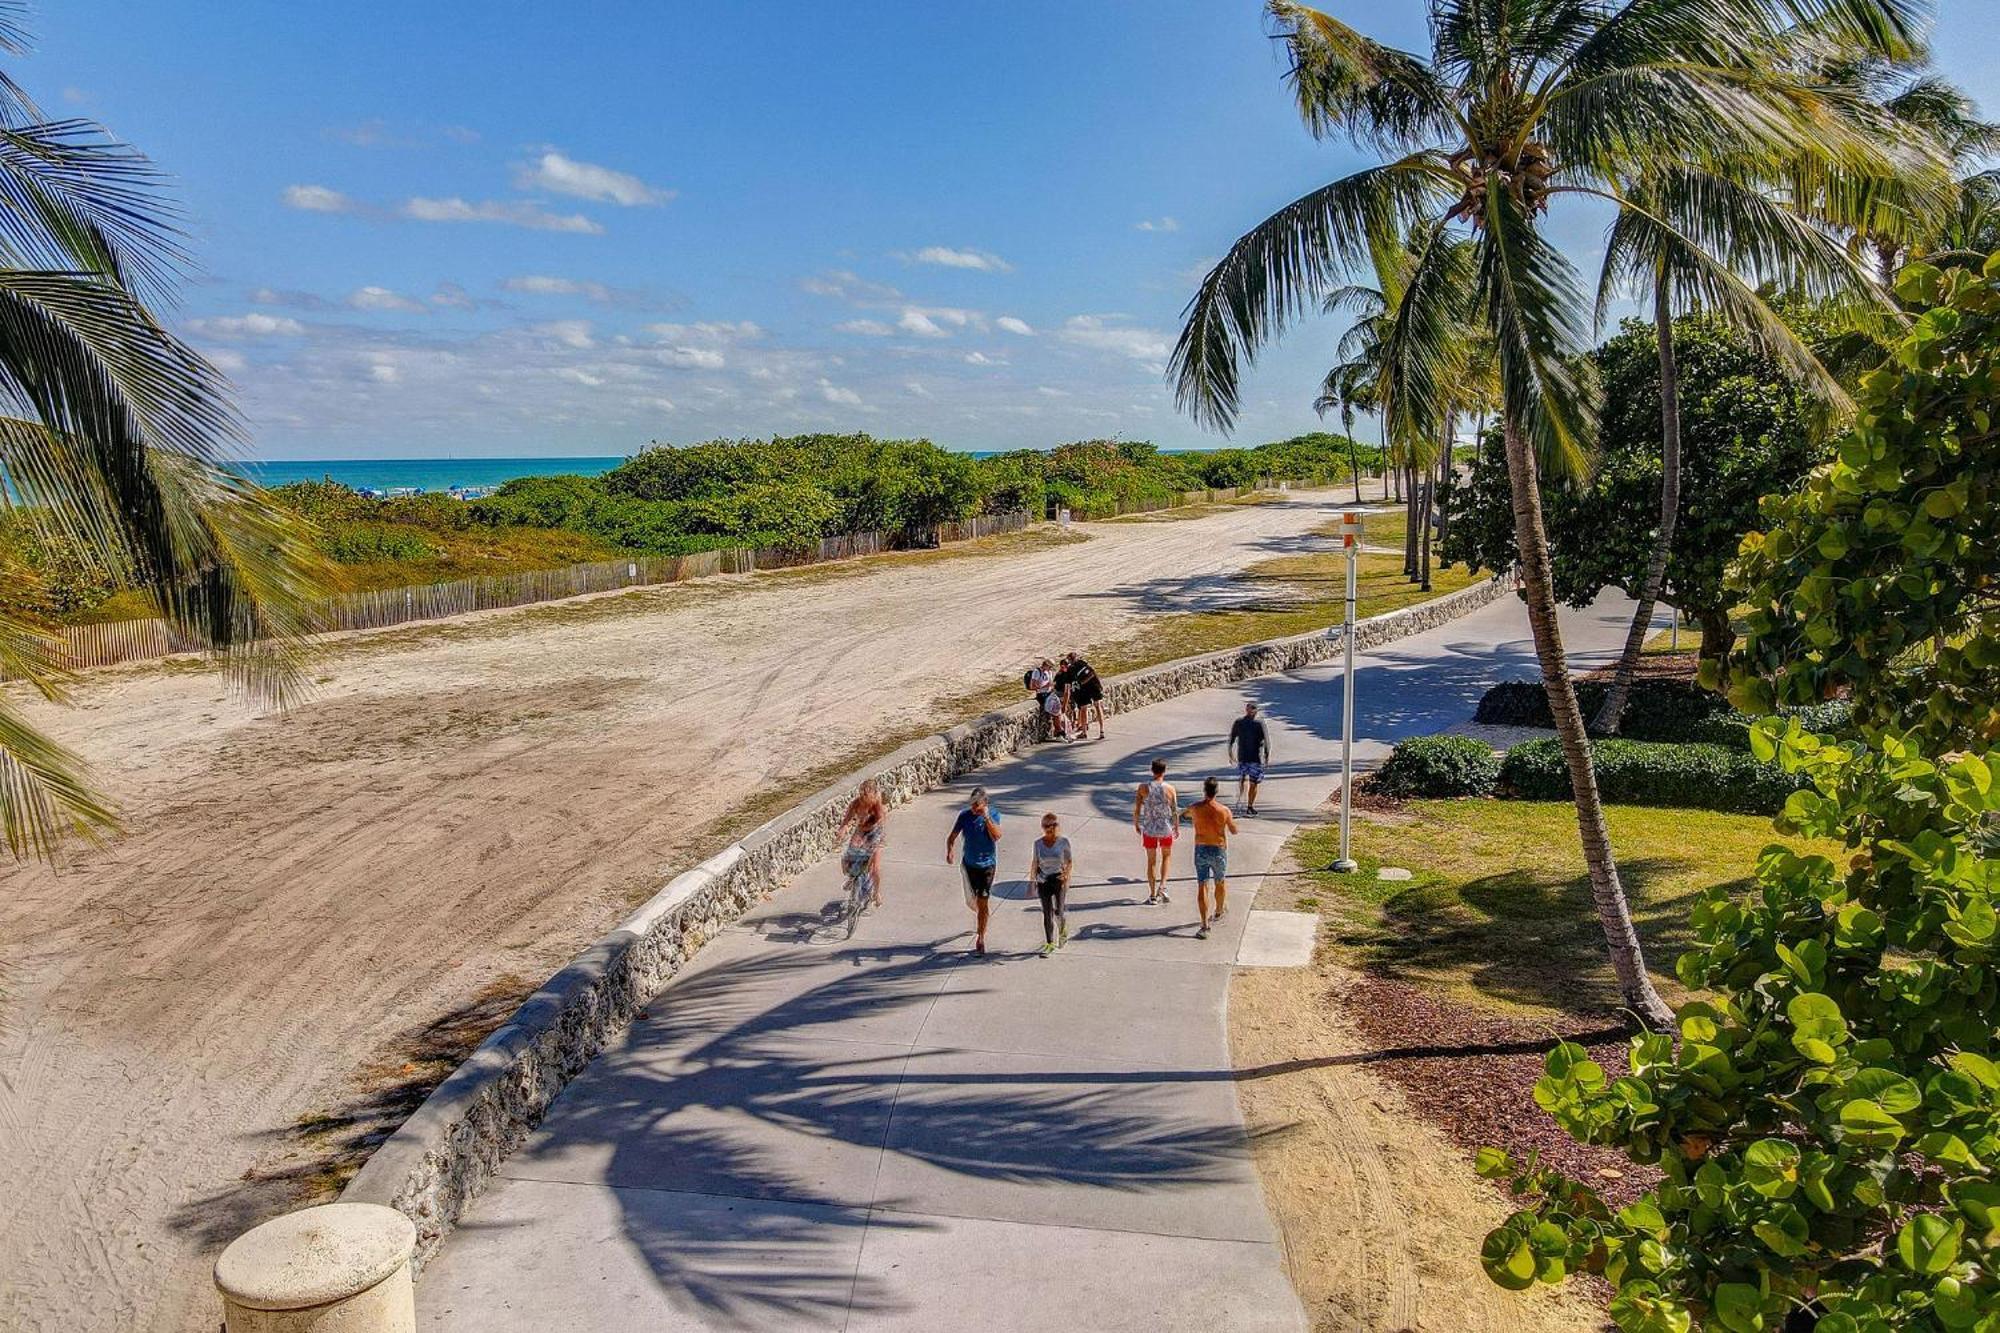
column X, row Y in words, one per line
column 1350, row 541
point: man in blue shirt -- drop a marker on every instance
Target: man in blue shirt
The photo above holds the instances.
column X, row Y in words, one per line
column 979, row 825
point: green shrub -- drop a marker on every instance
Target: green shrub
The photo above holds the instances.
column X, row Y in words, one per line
column 1432, row 766
column 1826, row 1117
column 1656, row 709
column 1669, row 773
column 362, row 543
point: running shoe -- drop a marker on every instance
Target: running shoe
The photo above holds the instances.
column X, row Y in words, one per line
column 1201, row 934
column 1163, row 896
column 1062, row 937
column 1048, row 948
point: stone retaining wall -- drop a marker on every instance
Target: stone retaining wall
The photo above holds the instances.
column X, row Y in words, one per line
column 445, row 1154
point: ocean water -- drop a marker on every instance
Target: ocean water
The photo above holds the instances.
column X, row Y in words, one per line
column 428, row 474
column 431, row 474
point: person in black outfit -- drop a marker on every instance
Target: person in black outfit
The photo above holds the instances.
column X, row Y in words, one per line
column 1250, row 747
column 1086, row 693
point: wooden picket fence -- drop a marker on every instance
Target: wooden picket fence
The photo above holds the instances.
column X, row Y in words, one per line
column 139, row 640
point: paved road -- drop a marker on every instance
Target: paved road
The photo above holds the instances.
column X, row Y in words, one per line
column 887, row 1133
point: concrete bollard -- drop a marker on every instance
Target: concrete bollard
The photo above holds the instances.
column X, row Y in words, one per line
column 339, row 1268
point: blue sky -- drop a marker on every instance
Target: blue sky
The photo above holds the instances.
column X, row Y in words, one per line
column 504, row 228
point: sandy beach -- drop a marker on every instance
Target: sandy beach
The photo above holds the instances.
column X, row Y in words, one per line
column 306, row 906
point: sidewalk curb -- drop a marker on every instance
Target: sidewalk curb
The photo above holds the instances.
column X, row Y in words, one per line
column 446, row 1153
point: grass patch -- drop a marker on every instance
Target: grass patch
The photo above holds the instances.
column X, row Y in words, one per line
column 1294, row 594
column 1498, row 910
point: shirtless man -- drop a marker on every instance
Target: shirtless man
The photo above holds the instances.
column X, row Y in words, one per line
column 1212, row 826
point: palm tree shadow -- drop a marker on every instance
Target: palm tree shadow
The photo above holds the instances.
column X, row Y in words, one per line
column 1518, row 938
column 742, row 1124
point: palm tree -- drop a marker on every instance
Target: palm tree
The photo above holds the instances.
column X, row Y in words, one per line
column 115, row 439
column 1520, row 105
column 1348, row 385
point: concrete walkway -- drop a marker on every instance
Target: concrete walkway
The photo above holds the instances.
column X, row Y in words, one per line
column 887, row 1133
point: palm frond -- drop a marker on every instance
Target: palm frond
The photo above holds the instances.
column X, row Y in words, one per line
column 45, row 793
column 1424, row 350
column 1345, row 82
column 1534, row 303
column 1280, row 269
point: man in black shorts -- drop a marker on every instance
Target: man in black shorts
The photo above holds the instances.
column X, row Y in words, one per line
column 979, row 825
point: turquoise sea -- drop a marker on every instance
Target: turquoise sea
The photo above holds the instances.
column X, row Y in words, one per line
column 429, row 474
column 426, row 474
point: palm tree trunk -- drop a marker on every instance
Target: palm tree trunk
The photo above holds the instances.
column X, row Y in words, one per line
column 1612, row 709
column 1353, row 455
column 1614, row 914
column 1410, row 501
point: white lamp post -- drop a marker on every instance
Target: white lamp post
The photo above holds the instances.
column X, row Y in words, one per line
column 1350, row 540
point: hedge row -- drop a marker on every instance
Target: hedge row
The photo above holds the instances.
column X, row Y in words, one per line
column 1691, row 775
column 1656, row 710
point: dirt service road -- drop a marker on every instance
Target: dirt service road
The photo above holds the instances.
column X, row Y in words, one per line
column 300, row 898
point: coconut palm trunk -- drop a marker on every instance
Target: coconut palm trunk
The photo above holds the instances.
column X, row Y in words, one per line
column 1612, row 710
column 1606, row 892
column 1353, row 454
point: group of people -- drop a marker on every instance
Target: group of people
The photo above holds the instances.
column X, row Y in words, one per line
column 1157, row 817
column 1068, row 692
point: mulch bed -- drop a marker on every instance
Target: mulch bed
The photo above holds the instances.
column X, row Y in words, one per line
column 1486, row 1099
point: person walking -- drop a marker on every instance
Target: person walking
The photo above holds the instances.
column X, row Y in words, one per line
column 1156, row 814
column 868, row 815
column 1212, row 826
column 1250, row 747
column 979, row 825
column 1049, row 862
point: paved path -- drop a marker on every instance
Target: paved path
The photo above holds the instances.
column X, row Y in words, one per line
column 886, row 1133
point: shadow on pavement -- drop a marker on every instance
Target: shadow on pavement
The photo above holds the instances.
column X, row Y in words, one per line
column 688, row 1102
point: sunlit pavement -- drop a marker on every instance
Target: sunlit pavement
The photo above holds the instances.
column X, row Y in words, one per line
column 884, row 1132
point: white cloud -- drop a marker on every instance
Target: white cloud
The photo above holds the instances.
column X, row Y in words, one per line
column 532, row 216
column 451, row 296
column 720, row 331
column 846, row 285
column 381, row 298
column 693, row 358
column 383, row 367
column 318, row 199
column 1019, row 327
column 948, row 257
column 868, row 328
column 1108, row 333
column 569, row 332
column 981, row 359
column 226, row 361
column 253, row 325
column 1049, row 392
column 917, row 322
column 583, row 377
column 917, row 389
column 542, row 284
column 560, row 174
column 833, row 393
column 929, row 321
column 1157, row 224
column 655, row 402
column 297, row 300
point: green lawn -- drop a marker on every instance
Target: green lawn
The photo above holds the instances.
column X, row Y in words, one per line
column 1498, row 908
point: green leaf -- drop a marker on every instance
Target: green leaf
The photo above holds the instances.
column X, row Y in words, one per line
column 1928, row 1243
column 1644, row 1217
column 1868, row 1125
column 1771, row 1167
column 1507, row 1259
column 1785, row 1232
column 1740, row 1307
column 1493, row 1163
column 1977, row 1067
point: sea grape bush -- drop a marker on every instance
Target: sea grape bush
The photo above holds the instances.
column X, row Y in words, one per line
column 1692, row 775
column 1437, row 766
column 1827, row 1116
column 1882, row 574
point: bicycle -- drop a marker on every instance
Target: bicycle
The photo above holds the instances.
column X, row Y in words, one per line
column 857, row 864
